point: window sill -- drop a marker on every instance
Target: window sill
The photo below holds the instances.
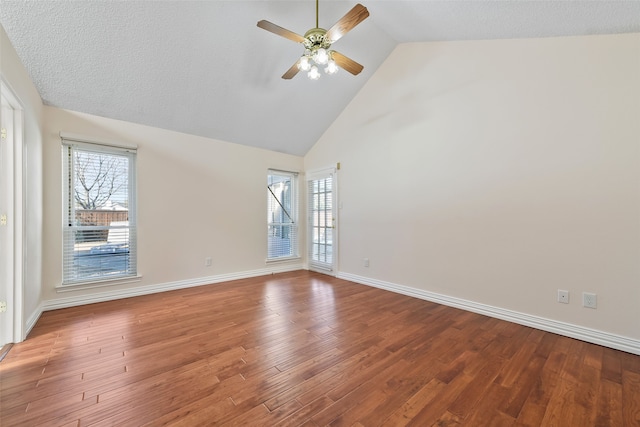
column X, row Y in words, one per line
column 97, row 284
column 283, row 259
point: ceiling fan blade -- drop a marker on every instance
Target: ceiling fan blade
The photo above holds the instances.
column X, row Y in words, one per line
column 291, row 72
column 346, row 63
column 355, row 16
column 275, row 29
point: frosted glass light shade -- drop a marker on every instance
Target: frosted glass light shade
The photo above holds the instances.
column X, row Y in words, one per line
column 321, row 56
column 331, row 67
column 304, row 63
column 313, row 73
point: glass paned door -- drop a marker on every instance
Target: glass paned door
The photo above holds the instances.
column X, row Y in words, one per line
column 321, row 222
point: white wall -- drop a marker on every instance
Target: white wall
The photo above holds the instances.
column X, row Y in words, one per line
column 16, row 77
column 197, row 198
column 498, row 172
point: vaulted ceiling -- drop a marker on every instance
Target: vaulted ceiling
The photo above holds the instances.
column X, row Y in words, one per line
column 205, row 68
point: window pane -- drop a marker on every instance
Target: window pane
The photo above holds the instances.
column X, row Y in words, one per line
column 281, row 215
column 280, row 237
column 321, row 220
column 98, row 235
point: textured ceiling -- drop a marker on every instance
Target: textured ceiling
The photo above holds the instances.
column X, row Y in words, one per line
column 205, row 68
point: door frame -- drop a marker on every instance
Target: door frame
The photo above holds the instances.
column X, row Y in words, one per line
column 14, row 327
column 311, row 176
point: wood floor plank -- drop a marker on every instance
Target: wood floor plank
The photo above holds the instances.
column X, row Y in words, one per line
column 477, row 388
column 414, row 404
column 207, row 407
column 521, row 388
column 608, row 412
column 304, row 414
column 346, row 399
column 399, row 390
column 487, row 411
column 433, row 413
column 317, row 385
column 630, row 398
column 535, row 406
column 305, row 349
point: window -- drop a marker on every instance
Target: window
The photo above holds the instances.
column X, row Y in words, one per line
column 282, row 211
column 99, row 229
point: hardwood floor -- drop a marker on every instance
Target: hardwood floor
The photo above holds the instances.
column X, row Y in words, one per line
column 304, row 349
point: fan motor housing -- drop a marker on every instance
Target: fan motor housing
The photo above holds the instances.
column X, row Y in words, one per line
column 314, row 39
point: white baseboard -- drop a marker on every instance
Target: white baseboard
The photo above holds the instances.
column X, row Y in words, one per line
column 31, row 321
column 73, row 301
column 594, row 336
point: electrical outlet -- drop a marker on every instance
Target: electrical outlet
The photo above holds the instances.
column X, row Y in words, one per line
column 366, row 262
column 208, row 261
column 589, row 300
column 563, row 296
column 3, row 306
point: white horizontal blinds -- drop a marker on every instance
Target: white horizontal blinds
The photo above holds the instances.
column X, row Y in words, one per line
column 282, row 207
column 320, row 193
column 99, row 230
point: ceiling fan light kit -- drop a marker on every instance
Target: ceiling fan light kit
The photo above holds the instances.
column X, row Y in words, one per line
column 317, row 42
column 311, row 59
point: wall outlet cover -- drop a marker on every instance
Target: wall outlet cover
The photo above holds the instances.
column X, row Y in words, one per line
column 589, row 300
column 563, row 296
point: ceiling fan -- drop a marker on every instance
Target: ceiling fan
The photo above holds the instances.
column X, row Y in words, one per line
column 317, row 42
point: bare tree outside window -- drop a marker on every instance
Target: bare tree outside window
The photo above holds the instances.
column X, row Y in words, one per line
column 99, row 179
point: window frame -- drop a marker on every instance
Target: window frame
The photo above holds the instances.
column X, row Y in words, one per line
column 70, row 144
column 294, row 215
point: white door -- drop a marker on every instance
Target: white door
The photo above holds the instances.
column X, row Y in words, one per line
column 322, row 237
column 6, row 218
